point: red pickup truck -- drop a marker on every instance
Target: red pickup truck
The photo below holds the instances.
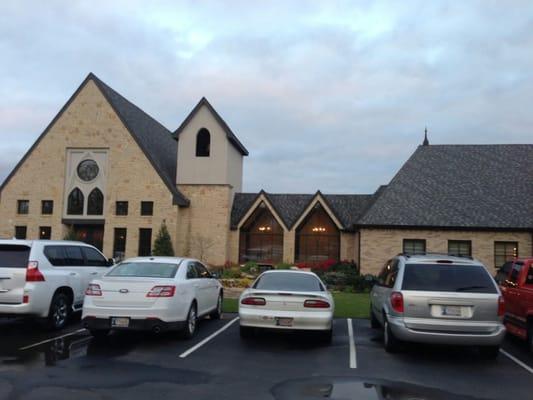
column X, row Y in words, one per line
column 517, row 291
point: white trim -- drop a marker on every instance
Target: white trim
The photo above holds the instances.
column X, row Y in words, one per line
column 517, row 361
column 253, row 207
column 353, row 358
column 317, row 199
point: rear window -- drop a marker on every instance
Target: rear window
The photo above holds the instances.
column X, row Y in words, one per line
column 447, row 278
column 294, row 282
column 14, row 256
column 144, row 269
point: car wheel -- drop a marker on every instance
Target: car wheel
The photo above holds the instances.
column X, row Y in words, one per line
column 191, row 325
column 217, row 314
column 246, row 332
column 99, row 333
column 390, row 341
column 489, row 352
column 374, row 323
column 59, row 311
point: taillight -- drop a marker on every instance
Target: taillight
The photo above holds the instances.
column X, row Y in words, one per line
column 32, row 272
column 316, row 304
column 501, row 306
column 253, row 301
column 162, row 291
column 93, row 290
column 396, row 301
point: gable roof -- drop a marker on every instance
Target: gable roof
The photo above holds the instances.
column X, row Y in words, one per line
column 347, row 208
column 153, row 138
column 459, row 186
column 229, row 133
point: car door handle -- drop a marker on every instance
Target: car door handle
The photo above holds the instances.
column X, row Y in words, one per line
column 94, row 273
column 73, row 273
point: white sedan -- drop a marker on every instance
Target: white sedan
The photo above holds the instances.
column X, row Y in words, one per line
column 287, row 300
column 152, row 293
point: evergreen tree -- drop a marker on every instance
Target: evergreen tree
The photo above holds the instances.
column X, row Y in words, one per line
column 163, row 242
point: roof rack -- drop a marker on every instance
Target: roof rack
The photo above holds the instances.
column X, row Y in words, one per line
column 428, row 253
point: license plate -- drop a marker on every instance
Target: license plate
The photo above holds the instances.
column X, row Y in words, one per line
column 120, row 322
column 451, row 311
column 284, row 321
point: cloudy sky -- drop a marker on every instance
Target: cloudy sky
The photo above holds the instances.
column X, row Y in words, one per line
column 330, row 95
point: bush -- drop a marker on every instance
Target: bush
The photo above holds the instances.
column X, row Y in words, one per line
column 250, row 267
column 283, row 266
column 236, row 283
column 231, row 273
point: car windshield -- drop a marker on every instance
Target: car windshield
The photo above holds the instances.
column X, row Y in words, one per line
column 448, row 278
column 14, row 256
column 289, row 281
column 145, row 269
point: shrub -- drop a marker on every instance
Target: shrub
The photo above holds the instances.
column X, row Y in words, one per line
column 236, row 283
column 231, row 273
column 283, row 266
column 250, row 267
column 163, row 243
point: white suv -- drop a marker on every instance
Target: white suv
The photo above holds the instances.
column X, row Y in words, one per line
column 44, row 278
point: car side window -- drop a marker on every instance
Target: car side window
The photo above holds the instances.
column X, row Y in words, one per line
column 74, row 256
column 93, row 258
column 55, row 255
column 202, row 270
column 392, row 273
column 529, row 276
column 383, row 273
column 515, row 272
column 192, row 273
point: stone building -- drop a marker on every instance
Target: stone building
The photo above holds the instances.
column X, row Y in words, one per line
column 113, row 174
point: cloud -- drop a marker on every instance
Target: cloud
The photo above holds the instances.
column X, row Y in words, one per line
column 325, row 95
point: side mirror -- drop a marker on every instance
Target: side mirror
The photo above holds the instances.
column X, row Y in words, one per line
column 110, row 262
column 215, row 275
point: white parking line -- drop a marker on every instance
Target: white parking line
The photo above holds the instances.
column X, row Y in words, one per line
column 516, row 360
column 54, row 338
column 353, row 360
column 207, row 339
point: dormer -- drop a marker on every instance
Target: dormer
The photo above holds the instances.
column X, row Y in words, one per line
column 209, row 153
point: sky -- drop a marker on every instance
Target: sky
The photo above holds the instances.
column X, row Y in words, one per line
column 329, row 95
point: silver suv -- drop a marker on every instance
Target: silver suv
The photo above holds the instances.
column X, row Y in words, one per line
column 48, row 279
column 435, row 298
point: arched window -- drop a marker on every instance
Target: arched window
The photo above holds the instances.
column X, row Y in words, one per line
column 75, row 202
column 261, row 238
column 203, row 143
column 317, row 238
column 95, row 202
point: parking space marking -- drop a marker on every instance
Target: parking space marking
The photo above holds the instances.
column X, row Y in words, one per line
column 207, row 339
column 353, row 359
column 54, row 338
column 516, row 360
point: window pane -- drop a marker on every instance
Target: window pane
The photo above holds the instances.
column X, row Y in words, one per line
column 23, row 206
column 14, row 256
column 94, row 258
column 145, row 269
column 121, row 208
column 414, row 246
column 55, row 255
column 45, row 232
column 75, row 202
column 448, row 278
column 20, row 232
column 145, row 242
column 47, row 207
column 203, row 143
column 147, row 207
column 504, row 251
column 95, row 203
column 291, row 281
column 119, row 243
column 74, row 256
column 460, row 248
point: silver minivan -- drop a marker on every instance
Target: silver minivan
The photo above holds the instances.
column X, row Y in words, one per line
column 436, row 298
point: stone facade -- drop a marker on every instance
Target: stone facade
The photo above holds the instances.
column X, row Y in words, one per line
column 88, row 122
column 379, row 245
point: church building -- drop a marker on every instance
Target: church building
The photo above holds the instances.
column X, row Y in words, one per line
column 111, row 173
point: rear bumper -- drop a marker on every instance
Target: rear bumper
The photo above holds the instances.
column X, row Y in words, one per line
column 302, row 320
column 484, row 334
column 151, row 324
column 164, row 313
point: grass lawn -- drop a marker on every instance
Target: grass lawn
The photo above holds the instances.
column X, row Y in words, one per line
column 347, row 305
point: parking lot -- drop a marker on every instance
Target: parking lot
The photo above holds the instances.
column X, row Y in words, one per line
column 37, row 364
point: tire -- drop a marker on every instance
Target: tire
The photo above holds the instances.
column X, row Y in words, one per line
column 59, row 313
column 99, row 333
column 489, row 352
column 191, row 325
column 246, row 332
column 374, row 323
column 390, row 341
column 217, row 314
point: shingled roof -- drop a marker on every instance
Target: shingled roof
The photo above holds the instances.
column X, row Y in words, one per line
column 346, row 207
column 154, row 139
column 459, row 186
